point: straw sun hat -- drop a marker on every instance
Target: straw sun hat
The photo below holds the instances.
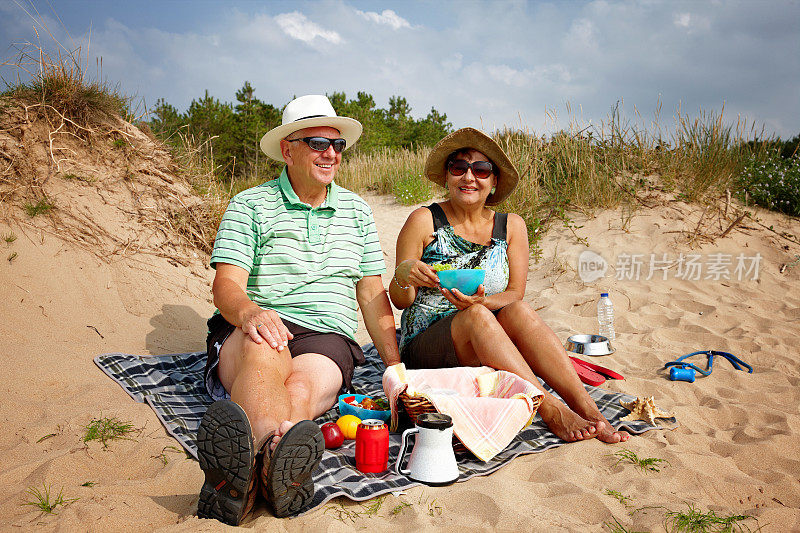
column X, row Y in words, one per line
column 307, row 112
column 507, row 175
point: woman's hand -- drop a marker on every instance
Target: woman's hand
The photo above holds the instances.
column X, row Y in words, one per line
column 461, row 300
column 415, row 273
column 265, row 325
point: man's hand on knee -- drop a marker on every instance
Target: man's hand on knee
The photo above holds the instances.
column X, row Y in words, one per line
column 265, row 325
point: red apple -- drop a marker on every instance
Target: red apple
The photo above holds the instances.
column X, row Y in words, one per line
column 333, row 435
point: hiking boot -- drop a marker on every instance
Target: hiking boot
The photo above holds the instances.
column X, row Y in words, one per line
column 286, row 475
column 228, row 459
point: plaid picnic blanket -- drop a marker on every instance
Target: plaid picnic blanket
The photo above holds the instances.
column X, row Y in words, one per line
column 173, row 387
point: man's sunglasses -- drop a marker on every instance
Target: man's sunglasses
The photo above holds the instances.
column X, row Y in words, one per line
column 480, row 169
column 320, row 144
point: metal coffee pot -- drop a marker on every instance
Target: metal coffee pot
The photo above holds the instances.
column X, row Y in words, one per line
column 432, row 460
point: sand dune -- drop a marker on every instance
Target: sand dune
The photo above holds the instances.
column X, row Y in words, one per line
column 735, row 450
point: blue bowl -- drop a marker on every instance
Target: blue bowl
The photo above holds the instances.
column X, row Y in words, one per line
column 347, row 409
column 465, row 280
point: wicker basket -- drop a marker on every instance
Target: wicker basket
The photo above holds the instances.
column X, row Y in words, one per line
column 419, row 406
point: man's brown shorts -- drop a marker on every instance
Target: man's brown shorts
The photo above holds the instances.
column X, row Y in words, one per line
column 340, row 349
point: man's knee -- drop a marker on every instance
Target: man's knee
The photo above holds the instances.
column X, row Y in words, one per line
column 316, row 380
column 240, row 353
column 300, row 386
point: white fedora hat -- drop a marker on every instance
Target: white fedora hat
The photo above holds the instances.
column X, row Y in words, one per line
column 306, row 112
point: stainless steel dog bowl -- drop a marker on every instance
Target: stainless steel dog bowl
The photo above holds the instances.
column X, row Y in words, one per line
column 589, row 345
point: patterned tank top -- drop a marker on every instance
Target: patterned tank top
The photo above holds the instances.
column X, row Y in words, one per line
column 447, row 248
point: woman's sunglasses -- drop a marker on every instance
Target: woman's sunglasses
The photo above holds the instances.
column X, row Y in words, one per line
column 480, row 169
column 320, row 144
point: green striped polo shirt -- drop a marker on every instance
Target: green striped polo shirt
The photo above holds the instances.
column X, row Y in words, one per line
column 303, row 262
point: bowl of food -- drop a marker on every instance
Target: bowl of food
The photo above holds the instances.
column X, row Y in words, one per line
column 589, row 345
column 466, row 280
column 364, row 407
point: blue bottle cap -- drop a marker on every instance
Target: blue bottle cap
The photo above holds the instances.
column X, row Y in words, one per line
column 602, row 294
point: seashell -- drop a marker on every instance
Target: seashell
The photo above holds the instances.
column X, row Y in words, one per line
column 644, row 409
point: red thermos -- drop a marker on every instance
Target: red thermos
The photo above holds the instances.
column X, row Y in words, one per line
column 372, row 446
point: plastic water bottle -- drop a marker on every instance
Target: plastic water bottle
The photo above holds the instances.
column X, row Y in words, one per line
column 605, row 316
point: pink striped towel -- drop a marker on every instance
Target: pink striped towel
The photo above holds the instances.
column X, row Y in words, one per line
column 488, row 407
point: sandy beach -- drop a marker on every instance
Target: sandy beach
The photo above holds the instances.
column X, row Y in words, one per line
column 735, row 450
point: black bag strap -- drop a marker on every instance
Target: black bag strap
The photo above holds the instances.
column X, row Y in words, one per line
column 439, row 218
column 499, row 230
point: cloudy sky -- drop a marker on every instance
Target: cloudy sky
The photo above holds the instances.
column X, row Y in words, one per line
column 483, row 63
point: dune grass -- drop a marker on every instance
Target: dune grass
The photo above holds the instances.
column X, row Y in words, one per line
column 399, row 508
column 59, row 82
column 580, row 168
column 350, row 512
column 42, row 206
column 199, row 223
column 617, row 527
column 621, row 498
column 645, row 464
column 107, row 429
column 392, row 172
column 42, row 500
column 694, row 521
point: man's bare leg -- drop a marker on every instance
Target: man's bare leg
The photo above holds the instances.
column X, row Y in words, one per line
column 274, row 389
column 255, row 375
column 280, row 395
column 313, row 387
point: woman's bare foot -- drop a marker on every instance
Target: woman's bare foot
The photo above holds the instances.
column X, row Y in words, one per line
column 566, row 423
column 608, row 434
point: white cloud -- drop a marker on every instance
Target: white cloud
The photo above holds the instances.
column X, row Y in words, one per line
column 508, row 75
column 683, row 19
column 453, row 62
column 387, row 17
column 259, row 30
column 540, row 56
column 581, row 35
column 539, row 75
column 297, row 25
column 690, row 21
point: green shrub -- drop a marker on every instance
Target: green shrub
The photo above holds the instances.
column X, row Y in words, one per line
column 410, row 189
column 773, row 183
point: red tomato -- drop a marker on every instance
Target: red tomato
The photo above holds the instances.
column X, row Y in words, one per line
column 332, row 434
